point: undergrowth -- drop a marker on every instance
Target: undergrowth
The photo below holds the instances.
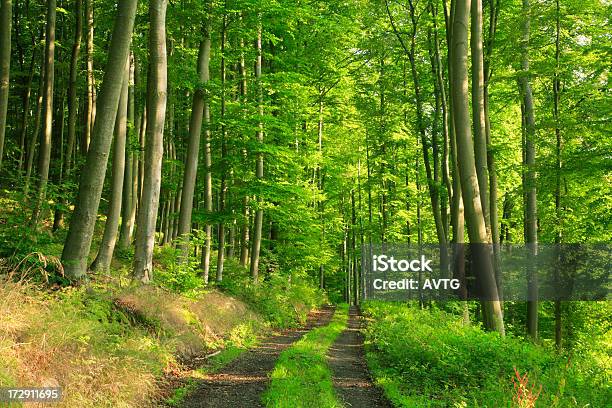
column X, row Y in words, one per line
column 428, row 358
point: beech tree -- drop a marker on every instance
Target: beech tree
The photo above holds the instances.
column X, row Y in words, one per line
column 198, row 111
column 44, row 156
column 80, row 232
column 476, row 226
column 157, row 88
column 6, row 13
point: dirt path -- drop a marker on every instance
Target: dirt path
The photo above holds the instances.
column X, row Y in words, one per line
column 351, row 377
column 242, row 382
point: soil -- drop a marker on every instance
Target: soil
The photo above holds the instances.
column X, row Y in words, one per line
column 242, row 382
column 346, row 358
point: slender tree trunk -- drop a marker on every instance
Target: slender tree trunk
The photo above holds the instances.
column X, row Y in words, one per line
column 44, row 156
column 244, row 234
column 157, row 88
column 6, row 10
column 531, row 226
column 559, row 163
column 259, row 171
column 72, row 84
column 72, row 107
column 80, row 233
column 91, row 86
column 193, row 147
column 107, row 246
column 355, row 298
column 208, row 197
column 445, row 202
column 320, row 204
column 478, row 110
column 128, row 195
column 223, row 159
column 467, row 167
column 495, row 235
column 27, row 93
column 31, row 148
column 431, row 176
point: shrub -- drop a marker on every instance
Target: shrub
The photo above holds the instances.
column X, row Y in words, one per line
column 429, row 358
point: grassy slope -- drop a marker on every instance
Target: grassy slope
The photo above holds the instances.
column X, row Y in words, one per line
column 301, row 377
column 109, row 346
column 427, row 358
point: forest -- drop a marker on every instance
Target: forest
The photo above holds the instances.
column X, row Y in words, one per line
column 190, row 192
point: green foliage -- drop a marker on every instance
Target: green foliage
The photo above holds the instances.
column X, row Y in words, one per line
column 430, row 358
column 284, row 300
column 301, row 377
column 175, row 274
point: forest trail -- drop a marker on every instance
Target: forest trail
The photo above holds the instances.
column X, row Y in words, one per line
column 352, row 380
column 242, row 382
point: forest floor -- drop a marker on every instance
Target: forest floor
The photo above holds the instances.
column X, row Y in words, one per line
column 242, row 382
column 352, row 381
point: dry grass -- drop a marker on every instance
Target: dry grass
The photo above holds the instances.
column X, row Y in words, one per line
column 195, row 326
column 79, row 340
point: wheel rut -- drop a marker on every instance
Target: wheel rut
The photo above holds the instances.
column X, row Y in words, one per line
column 242, row 382
column 351, row 377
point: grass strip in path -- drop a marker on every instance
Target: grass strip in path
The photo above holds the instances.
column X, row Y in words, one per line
column 352, row 379
column 301, row 377
column 242, row 382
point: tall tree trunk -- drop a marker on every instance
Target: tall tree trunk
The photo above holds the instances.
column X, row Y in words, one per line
column 157, row 88
column 72, row 84
column 6, row 10
column 467, row 167
column 259, row 170
column 80, row 233
column 530, row 225
column 91, row 86
column 559, row 162
column 31, row 147
column 223, row 159
column 23, row 131
column 72, row 106
column 478, row 110
column 128, row 195
column 244, row 233
column 431, row 176
column 107, row 246
column 193, row 147
column 495, row 235
column 320, row 205
column 44, row 156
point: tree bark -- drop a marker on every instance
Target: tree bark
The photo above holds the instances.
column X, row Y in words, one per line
column 72, row 84
column 128, row 196
column 31, row 147
column 80, row 233
column 559, row 162
column 467, row 166
column 44, row 155
column 223, row 159
column 530, row 225
column 193, row 147
column 6, row 10
column 478, row 110
column 157, row 88
column 107, row 246
column 259, row 170
column 244, row 232
column 91, row 86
